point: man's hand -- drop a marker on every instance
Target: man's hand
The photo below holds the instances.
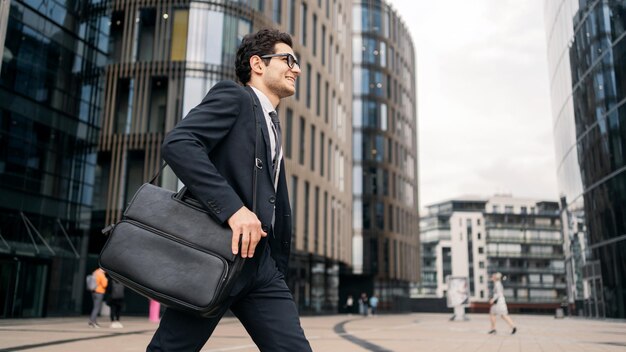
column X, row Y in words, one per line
column 245, row 223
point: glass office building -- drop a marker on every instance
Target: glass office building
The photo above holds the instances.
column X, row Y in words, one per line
column 384, row 120
column 587, row 59
column 51, row 88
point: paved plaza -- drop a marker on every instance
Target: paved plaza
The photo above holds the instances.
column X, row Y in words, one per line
column 402, row 332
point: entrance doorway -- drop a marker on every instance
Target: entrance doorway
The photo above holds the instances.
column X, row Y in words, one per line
column 23, row 283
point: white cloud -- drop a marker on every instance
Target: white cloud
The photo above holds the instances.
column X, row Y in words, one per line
column 483, row 98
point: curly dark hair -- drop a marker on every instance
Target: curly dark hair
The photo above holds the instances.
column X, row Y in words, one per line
column 259, row 43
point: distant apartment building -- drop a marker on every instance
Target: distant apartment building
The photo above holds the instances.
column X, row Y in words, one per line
column 384, row 138
column 587, row 64
column 474, row 237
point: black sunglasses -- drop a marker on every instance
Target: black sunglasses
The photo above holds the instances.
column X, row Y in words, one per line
column 291, row 60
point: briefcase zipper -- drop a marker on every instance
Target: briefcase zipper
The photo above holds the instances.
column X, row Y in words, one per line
column 107, row 230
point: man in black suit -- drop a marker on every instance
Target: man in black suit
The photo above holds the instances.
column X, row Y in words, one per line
column 212, row 152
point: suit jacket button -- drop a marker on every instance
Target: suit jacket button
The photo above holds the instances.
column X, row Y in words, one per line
column 272, row 200
column 264, row 228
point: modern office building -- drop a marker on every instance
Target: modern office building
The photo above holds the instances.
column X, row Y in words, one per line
column 587, row 65
column 90, row 88
column 384, row 120
column 51, row 89
column 165, row 56
column 473, row 238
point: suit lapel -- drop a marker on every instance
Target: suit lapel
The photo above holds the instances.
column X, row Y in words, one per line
column 266, row 136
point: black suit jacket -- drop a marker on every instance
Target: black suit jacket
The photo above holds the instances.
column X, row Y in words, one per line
column 211, row 151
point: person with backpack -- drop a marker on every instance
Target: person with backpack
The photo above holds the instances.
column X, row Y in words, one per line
column 97, row 295
column 115, row 299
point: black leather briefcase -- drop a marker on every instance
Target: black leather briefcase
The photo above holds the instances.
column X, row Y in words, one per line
column 169, row 249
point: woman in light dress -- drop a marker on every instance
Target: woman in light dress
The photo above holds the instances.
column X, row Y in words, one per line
column 498, row 305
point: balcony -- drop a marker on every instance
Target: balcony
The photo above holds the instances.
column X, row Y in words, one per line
column 525, row 255
column 531, row 285
column 499, row 239
column 521, row 226
column 430, row 268
column 513, row 270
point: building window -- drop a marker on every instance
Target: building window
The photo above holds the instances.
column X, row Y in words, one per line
column 124, row 108
column 495, row 209
column 330, row 56
column 288, row 134
column 297, row 83
column 380, row 215
column 330, row 159
column 325, row 224
column 481, row 264
column 134, row 173
column 158, row 105
column 302, row 145
column 291, row 11
column 308, row 86
column 306, row 216
column 524, row 210
column 277, row 11
column 303, row 15
column 508, row 209
column 316, row 220
column 179, row 35
column 326, row 103
column 481, row 250
column 312, row 148
column 116, row 35
column 144, row 34
column 294, row 208
column 323, row 45
column 322, row 154
column 318, row 95
column 314, row 29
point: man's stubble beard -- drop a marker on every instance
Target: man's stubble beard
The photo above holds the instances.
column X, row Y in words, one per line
column 281, row 90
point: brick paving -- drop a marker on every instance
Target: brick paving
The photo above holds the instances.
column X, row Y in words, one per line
column 400, row 333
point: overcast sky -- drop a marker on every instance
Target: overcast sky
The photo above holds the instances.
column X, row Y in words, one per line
column 484, row 113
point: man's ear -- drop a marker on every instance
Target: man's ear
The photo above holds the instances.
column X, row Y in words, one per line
column 256, row 64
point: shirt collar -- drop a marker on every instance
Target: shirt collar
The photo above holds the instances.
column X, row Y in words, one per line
column 266, row 104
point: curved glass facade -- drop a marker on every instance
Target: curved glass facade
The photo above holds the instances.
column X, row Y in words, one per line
column 587, row 58
column 51, row 88
column 384, row 122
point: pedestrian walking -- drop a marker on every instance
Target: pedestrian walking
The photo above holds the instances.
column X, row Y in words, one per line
column 498, row 305
column 349, row 304
column 373, row 304
column 97, row 295
column 212, row 151
column 115, row 300
column 363, row 304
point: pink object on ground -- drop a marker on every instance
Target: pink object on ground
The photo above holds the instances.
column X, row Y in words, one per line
column 155, row 308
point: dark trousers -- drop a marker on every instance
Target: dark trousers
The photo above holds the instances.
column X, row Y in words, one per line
column 116, row 308
column 265, row 307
